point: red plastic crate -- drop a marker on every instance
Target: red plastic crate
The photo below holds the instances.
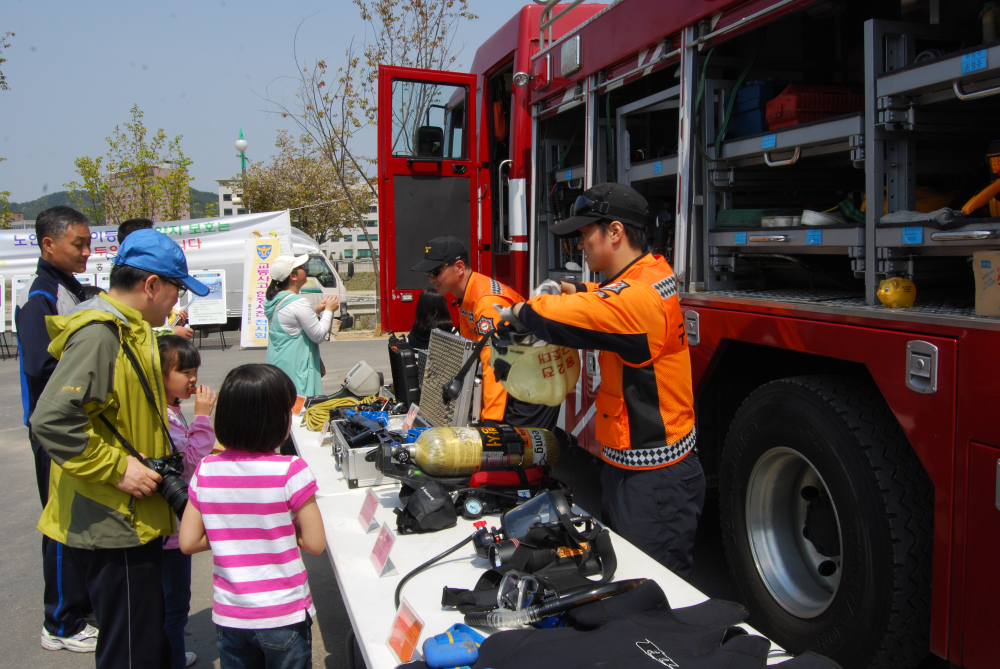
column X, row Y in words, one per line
column 801, row 104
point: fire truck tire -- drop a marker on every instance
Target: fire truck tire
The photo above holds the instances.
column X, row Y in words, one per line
column 827, row 521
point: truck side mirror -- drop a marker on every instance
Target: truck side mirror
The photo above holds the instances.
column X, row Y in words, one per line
column 350, row 271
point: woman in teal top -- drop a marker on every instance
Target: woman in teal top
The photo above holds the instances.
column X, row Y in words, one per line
column 295, row 327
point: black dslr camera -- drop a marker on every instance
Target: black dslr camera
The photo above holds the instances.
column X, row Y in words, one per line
column 173, row 488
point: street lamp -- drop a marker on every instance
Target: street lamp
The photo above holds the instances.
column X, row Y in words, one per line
column 241, row 146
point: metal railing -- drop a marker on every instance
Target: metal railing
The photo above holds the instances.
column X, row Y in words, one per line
column 547, row 21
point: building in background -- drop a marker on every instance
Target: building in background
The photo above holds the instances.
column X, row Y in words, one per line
column 353, row 245
column 230, row 200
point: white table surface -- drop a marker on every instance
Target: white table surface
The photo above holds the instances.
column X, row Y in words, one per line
column 369, row 598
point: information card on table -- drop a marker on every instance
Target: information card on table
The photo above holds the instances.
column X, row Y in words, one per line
column 380, row 552
column 367, row 515
column 411, row 416
column 405, row 632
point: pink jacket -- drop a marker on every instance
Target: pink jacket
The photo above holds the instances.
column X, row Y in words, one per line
column 195, row 441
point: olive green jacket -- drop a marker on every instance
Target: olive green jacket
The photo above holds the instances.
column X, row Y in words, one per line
column 92, row 378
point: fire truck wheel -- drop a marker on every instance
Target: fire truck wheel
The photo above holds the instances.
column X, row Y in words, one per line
column 827, row 520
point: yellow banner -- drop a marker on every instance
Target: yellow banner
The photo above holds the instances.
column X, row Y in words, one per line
column 260, row 254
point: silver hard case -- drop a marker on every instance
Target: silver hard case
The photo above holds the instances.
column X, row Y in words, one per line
column 351, row 461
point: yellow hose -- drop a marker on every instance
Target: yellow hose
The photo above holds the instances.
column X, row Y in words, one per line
column 318, row 414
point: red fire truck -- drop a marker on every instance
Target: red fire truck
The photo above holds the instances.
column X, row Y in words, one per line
column 854, row 448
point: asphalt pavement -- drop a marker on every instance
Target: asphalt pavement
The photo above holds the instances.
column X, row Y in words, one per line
column 20, row 573
column 20, row 570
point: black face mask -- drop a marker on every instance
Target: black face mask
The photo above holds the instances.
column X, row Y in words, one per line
column 427, row 508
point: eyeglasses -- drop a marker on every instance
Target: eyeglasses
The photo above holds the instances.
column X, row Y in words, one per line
column 437, row 270
column 181, row 289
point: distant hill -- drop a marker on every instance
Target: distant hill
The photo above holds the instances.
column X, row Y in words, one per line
column 199, row 199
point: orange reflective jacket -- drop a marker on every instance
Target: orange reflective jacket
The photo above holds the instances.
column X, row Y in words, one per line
column 478, row 318
column 645, row 405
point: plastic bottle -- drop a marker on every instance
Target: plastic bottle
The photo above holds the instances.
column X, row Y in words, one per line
column 462, row 451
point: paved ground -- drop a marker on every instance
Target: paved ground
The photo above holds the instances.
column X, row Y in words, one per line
column 20, row 573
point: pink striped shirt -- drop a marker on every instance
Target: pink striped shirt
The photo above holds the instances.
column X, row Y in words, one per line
column 247, row 502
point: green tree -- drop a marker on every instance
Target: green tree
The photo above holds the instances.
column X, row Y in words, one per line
column 4, row 44
column 138, row 177
column 334, row 106
column 299, row 178
column 4, row 194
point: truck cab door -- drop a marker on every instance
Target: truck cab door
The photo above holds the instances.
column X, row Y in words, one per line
column 427, row 178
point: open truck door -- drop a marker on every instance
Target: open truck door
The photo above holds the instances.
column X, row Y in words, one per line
column 427, row 177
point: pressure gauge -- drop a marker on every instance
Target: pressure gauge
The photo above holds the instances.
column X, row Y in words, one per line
column 472, row 508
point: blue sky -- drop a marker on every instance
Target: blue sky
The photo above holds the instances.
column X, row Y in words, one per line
column 194, row 68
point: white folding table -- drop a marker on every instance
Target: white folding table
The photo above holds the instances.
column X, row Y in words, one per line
column 369, row 598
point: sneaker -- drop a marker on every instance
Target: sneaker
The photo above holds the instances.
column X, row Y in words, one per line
column 189, row 659
column 81, row 642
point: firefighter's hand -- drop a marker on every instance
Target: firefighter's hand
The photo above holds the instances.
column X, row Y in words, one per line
column 139, row 480
column 567, row 288
column 547, row 287
column 509, row 314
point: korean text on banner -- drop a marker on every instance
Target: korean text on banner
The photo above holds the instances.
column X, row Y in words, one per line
column 260, row 253
column 210, row 309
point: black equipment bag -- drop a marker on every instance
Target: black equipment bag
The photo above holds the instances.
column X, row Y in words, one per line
column 427, row 507
column 405, row 372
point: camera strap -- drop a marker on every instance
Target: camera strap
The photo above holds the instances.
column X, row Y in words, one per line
column 147, row 390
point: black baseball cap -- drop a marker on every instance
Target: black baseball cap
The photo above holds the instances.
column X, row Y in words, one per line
column 608, row 202
column 439, row 251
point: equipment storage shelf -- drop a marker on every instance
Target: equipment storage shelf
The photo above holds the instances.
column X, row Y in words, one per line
column 967, row 74
column 650, row 170
column 977, row 235
column 795, row 239
column 786, row 146
column 642, row 126
column 569, row 174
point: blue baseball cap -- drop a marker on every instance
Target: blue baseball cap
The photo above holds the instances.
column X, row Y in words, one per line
column 154, row 252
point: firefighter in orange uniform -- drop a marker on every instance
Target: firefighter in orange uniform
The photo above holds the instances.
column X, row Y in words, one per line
column 653, row 484
column 446, row 264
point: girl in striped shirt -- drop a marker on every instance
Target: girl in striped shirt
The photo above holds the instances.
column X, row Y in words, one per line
column 254, row 509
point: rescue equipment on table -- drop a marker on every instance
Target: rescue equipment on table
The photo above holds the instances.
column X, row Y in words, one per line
column 405, row 370
column 897, row 293
column 541, row 538
column 458, row 646
column 430, row 503
column 528, row 368
column 322, row 408
column 463, row 451
column 638, row 628
column 547, row 549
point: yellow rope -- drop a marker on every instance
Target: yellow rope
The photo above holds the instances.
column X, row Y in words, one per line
column 318, row 414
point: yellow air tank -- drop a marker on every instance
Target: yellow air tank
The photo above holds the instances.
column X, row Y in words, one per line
column 463, row 451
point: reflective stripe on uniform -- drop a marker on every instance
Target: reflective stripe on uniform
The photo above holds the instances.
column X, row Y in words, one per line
column 667, row 287
column 643, row 458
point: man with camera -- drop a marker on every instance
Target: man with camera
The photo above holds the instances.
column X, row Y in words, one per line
column 102, row 413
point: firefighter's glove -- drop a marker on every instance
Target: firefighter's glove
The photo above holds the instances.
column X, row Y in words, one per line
column 547, row 287
column 518, row 334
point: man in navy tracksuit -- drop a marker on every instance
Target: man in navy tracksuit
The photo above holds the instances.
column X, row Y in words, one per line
column 63, row 236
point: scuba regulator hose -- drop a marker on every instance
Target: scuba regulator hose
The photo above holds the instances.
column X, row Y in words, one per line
column 429, row 563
